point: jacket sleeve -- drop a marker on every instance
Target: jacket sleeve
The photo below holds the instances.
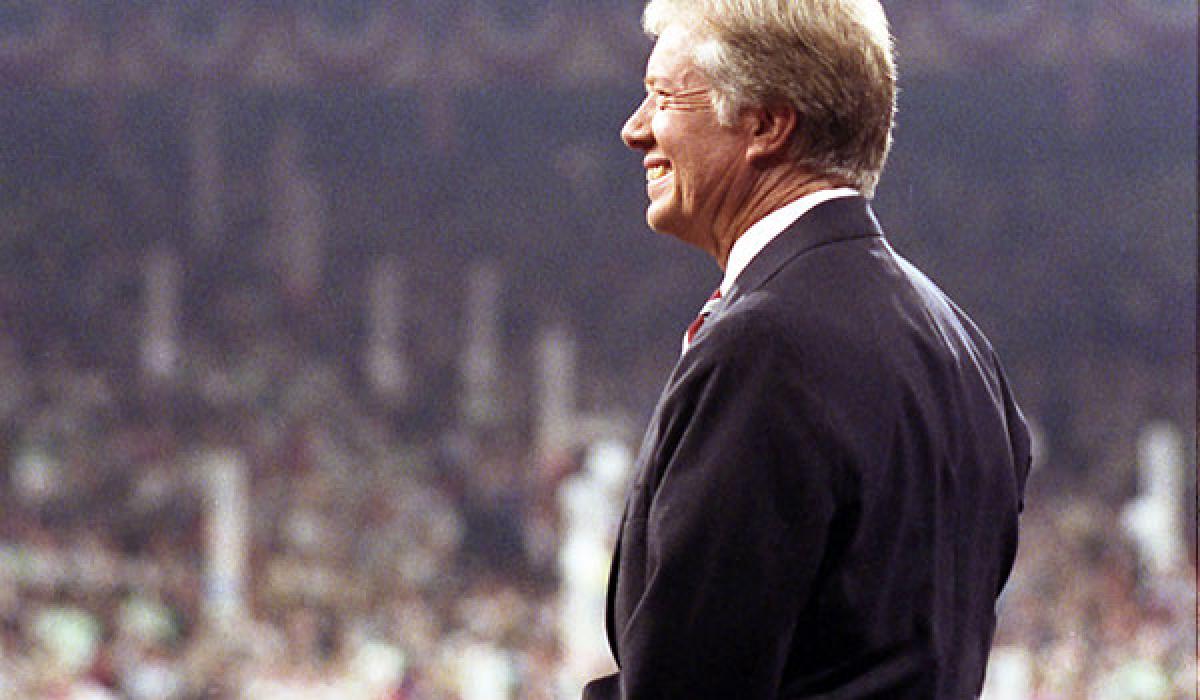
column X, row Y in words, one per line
column 737, row 506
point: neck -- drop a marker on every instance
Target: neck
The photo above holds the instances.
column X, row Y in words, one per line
column 776, row 189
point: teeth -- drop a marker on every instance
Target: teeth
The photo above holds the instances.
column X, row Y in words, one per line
column 656, row 171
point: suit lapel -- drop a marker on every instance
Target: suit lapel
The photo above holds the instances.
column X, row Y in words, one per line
column 842, row 219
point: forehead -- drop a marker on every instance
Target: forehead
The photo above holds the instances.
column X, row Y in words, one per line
column 670, row 63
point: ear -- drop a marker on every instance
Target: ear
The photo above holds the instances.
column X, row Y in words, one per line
column 772, row 127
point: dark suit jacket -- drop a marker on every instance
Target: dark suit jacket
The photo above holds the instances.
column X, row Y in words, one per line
column 825, row 503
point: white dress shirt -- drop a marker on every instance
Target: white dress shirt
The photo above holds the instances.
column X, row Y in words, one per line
column 767, row 228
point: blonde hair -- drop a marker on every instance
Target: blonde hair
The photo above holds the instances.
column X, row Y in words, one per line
column 831, row 60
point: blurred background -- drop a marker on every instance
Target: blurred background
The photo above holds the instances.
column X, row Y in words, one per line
column 328, row 329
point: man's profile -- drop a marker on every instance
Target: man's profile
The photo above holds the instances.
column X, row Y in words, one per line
column 825, row 501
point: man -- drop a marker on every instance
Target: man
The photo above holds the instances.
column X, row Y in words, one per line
column 825, row 503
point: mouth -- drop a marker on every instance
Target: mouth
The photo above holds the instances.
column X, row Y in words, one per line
column 656, row 173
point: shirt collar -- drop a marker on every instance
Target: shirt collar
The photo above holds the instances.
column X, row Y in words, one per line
column 767, row 228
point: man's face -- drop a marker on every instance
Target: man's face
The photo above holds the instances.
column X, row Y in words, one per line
column 696, row 169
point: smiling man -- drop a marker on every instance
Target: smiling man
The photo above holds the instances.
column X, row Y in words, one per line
column 825, row 503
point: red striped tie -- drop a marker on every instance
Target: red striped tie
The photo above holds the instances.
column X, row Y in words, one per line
column 705, row 310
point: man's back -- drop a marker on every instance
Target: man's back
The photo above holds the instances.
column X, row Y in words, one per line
column 932, row 454
column 849, row 432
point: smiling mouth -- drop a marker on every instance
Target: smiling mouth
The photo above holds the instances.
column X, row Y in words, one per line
column 656, row 172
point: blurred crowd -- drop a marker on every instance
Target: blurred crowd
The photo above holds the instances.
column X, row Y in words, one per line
column 398, row 547
column 1083, row 618
column 378, row 568
column 385, row 567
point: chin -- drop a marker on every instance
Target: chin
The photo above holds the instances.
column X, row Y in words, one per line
column 660, row 220
column 663, row 230
column 679, row 233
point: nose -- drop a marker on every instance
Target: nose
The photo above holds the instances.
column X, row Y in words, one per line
column 636, row 133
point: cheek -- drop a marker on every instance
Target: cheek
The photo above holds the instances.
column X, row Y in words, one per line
column 671, row 135
column 694, row 172
column 660, row 121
